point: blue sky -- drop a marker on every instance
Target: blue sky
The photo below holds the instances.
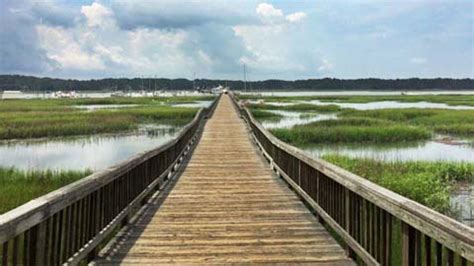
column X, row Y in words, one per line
column 283, row 39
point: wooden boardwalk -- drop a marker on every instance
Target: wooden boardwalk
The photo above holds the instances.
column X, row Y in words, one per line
column 226, row 207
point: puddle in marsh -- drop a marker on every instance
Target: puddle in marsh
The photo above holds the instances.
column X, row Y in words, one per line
column 92, row 152
column 376, row 105
column 93, row 107
column 295, row 118
column 196, row 104
column 427, row 151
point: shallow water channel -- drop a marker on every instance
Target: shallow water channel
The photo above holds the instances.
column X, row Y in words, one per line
column 393, row 105
column 195, row 104
column 89, row 152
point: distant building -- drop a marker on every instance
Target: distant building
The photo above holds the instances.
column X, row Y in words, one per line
column 10, row 94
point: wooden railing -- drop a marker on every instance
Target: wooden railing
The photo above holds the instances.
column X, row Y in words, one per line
column 377, row 226
column 71, row 224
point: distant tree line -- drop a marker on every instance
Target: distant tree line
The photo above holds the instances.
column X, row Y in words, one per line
column 29, row 83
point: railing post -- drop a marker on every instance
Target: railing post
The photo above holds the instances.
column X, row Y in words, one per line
column 408, row 244
column 348, row 224
column 299, row 173
column 38, row 241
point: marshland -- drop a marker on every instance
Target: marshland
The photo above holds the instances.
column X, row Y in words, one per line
column 420, row 146
column 48, row 143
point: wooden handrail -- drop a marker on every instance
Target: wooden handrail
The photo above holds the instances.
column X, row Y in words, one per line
column 352, row 197
column 68, row 224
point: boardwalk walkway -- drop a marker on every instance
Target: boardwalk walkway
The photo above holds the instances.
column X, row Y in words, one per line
column 226, row 207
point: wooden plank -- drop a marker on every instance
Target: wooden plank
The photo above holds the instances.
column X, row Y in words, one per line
column 225, row 207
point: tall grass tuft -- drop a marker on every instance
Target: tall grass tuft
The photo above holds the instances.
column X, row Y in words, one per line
column 19, row 186
column 265, row 115
column 351, row 130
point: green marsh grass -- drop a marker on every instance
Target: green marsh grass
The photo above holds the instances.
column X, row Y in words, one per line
column 445, row 121
column 352, row 130
column 265, row 115
column 429, row 183
column 53, row 118
column 19, row 186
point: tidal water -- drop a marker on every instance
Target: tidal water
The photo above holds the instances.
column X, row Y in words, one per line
column 424, row 151
column 342, row 92
column 195, row 104
column 93, row 107
column 393, row 105
column 91, row 152
column 295, row 118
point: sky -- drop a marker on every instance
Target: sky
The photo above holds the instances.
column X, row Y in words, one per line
column 284, row 39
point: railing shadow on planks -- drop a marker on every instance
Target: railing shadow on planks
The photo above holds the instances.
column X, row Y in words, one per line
column 376, row 225
column 71, row 224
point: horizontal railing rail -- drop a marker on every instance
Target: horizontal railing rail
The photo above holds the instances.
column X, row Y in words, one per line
column 377, row 226
column 71, row 224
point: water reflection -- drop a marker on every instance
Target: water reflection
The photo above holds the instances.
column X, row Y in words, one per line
column 93, row 107
column 295, row 118
column 428, row 151
column 392, row 105
column 93, row 152
column 342, row 92
column 196, row 104
column 463, row 201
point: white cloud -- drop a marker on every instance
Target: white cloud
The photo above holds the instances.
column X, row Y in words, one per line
column 296, row 17
column 62, row 47
column 97, row 15
column 418, row 60
column 325, row 66
column 268, row 11
column 268, row 44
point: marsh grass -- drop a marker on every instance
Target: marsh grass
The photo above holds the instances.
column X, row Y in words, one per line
column 265, row 115
column 18, row 187
column 351, row 130
column 52, row 118
column 429, row 183
column 454, row 122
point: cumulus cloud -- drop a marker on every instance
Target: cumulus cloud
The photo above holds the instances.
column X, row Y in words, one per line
column 97, row 15
column 268, row 11
column 213, row 38
column 269, row 14
column 267, row 43
column 295, row 17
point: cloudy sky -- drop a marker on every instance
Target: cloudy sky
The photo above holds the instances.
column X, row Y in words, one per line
column 284, row 39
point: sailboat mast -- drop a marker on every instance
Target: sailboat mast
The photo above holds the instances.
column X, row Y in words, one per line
column 245, row 79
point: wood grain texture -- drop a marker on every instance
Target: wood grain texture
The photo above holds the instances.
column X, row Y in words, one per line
column 226, row 207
